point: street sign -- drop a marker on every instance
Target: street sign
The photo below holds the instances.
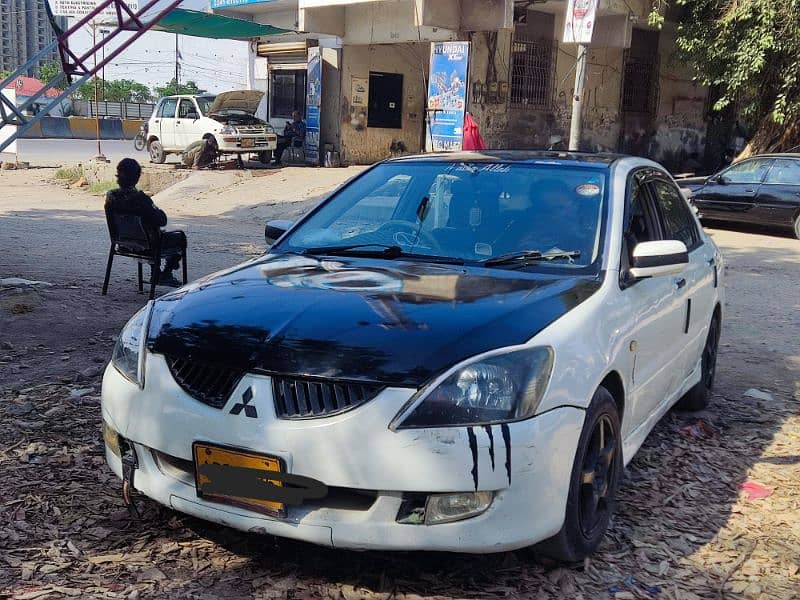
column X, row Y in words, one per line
column 579, row 21
column 81, row 8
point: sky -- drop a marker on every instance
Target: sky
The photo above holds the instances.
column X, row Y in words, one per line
column 215, row 65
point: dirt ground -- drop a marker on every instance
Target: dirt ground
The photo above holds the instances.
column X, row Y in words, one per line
column 685, row 527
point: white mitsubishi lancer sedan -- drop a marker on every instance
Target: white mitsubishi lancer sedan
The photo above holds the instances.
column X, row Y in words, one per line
column 451, row 352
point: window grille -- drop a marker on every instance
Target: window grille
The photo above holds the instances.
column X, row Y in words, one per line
column 533, row 72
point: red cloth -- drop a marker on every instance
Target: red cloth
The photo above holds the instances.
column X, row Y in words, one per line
column 472, row 136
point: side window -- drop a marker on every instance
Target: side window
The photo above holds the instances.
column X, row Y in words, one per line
column 748, row 171
column 185, row 108
column 639, row 225
column 167, row 109
column 679, row 224
column 784, row 171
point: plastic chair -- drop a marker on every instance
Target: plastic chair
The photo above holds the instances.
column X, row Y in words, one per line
column 132, row 237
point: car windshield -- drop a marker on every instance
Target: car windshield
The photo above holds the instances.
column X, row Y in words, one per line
column 504, row 215
column 205, row 102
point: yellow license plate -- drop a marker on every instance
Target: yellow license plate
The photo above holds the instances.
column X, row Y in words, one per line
column 248, row 143
column 237, row 477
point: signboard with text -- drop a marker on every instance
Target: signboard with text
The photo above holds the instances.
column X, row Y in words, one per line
column 230, row 3
column 447, row 96
column 81, row 8
column 579, row 21
column 313, row 104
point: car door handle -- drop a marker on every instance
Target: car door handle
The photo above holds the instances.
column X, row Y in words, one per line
column 680, row 282
column 711, row 261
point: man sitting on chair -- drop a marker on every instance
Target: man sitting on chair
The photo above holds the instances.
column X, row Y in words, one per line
column 130, row 200
column 294, row 133
column 202, row 153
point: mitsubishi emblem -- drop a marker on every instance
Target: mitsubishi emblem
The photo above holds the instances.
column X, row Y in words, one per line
column 249, row 409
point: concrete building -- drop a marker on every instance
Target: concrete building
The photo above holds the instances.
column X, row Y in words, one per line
column 521, row 75
column 24, row 31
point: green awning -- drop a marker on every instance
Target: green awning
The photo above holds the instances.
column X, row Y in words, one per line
column 201, row 24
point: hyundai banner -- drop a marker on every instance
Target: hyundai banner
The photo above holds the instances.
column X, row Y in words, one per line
column 447, row 93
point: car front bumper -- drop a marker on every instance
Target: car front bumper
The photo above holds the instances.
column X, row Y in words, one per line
column 352, row 452
column 246, row 143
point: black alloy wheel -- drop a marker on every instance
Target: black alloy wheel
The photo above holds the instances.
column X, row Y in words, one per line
column 597, row 478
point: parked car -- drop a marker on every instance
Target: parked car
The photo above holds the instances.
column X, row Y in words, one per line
column 177, row 121
column 761, row 190
column 451, row 352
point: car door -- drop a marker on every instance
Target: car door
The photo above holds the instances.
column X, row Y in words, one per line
column 184, row 123
column 694, row 287
column 654, row 312
column 166, row 123
column 731, row 194
column 778, row 200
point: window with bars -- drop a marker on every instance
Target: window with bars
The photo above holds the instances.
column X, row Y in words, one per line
column 640, row 91
column 532, row 72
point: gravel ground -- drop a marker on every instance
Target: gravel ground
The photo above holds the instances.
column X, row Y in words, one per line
column 685, row 527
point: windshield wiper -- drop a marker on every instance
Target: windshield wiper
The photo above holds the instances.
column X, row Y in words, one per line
column 384, row 252
column 390, row 252
column 529, row 256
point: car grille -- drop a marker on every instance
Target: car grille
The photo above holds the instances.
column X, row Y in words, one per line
column 309, row 398
column 210, row 384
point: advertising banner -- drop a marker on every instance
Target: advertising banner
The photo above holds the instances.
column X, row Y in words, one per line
column 447, row 93
column 313, row 103
column 229, row 3
column 579, row 21
column 81, row 8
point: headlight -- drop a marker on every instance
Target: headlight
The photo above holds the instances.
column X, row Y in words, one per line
column 500, row 388
column 129, row 350
column 229, row 130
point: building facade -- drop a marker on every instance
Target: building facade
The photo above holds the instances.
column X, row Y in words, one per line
column 24, row 30
column 376, row 56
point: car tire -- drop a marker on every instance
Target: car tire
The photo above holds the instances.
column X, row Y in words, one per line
column 157, row 154
column 698, row 397
column 593, row 483
column 797, row 227
column 265, row 157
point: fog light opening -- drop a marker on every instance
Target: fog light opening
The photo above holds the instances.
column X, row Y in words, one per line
column 112, row 440
column 446, row 508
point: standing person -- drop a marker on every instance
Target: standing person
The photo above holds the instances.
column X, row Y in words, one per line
column 127, row 199
column 201, row 153
column 294, row 131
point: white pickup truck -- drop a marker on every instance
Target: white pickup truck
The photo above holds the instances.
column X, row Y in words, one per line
column 177, row 121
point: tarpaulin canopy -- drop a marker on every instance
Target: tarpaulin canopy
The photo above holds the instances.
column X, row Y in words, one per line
column 201, row 24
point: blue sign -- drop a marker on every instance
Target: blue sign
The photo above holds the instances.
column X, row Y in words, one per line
column 447, row 93
column 229, row 3
column 313, row 103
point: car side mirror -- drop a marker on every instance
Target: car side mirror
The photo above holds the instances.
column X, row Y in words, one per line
column 274, row 230
column 659, row 258
column 720, row 180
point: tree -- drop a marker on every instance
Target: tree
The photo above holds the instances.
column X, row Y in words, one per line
column 49, row 70
column 190, row 88
column 746, row 51
column 120, row 90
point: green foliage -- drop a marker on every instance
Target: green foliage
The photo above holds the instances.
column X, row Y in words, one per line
column 69, row 173
column 48, row 71
column 102, row 187
column 747, row 50
column 120, row 90
column 4, row 75
column 171, row 89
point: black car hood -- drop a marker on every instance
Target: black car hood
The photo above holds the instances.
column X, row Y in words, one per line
column 392, row 322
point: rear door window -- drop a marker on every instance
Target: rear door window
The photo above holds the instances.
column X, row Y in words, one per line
column 784, row 172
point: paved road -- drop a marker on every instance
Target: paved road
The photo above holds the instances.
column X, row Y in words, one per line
column 54, row 152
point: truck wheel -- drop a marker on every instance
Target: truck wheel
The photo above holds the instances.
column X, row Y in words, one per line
column 157, row 154
column 265, row 157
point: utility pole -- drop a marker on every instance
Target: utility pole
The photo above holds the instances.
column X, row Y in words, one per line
column 103, row 32
column 577, row 99
column 100, row 156
column 177, row 67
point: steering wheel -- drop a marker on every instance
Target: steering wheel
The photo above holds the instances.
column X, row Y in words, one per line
column 407, row 234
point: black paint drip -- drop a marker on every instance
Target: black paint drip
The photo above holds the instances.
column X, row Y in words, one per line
column 507, row 440
column 488, row 430
column 473, row 446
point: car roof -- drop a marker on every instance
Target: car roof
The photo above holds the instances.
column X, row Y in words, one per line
column 601, row 160
column 774, row 155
